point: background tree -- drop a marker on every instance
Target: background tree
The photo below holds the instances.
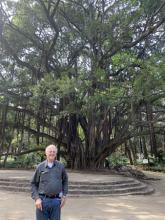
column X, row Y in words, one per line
column 87, row 75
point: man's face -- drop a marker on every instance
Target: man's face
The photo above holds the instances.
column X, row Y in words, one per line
column 50, row 153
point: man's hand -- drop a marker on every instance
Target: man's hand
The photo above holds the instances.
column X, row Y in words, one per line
column 38, row 204
column 63, row 200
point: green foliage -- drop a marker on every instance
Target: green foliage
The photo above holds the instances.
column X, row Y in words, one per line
column 65, row 85
column 150, row 83
column 124, row 60
column 150, row 6
column 159, row 167
column 25, row 161
column 117, row 159
column 87, row 58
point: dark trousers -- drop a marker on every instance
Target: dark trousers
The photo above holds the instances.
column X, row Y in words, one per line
column 50, row 209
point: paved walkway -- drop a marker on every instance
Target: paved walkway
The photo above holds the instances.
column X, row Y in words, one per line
column 19, row 206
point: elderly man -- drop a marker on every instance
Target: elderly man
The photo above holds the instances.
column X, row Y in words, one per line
column 49, row 186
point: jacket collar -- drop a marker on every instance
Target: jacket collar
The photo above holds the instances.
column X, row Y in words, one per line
column 46, row 163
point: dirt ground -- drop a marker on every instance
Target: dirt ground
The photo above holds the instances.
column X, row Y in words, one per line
column 19, row 206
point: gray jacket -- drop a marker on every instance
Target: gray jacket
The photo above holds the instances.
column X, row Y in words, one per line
column 49, row 181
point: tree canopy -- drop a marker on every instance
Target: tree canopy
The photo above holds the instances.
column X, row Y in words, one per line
column 87, row 75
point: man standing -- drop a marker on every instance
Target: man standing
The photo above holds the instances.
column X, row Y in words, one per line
column 49, row 186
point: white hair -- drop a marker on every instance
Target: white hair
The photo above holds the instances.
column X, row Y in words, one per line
column 51, row 146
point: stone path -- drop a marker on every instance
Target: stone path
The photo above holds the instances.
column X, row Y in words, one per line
column 19, row 206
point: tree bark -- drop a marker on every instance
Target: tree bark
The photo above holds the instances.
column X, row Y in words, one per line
column 153, row 143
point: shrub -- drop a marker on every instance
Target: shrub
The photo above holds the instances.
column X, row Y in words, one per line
column 117, row 159
column 24, row 161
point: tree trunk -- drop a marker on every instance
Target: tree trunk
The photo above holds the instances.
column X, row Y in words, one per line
column 6, row 156
column 153, row 143
column 128, row 152
column 132, row 151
